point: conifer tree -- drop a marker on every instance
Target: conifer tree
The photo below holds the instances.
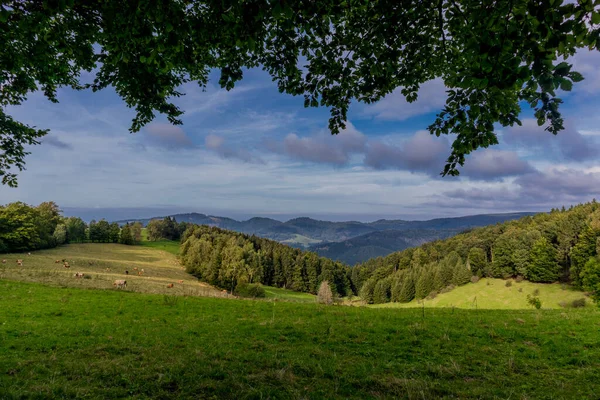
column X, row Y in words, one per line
column 461, row 275
column 407, row 293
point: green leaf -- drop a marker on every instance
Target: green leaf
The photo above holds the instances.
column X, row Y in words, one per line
column 595, row 17
column 566, row 85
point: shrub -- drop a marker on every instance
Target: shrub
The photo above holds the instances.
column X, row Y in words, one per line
column 251, row 290
column 508, row 283
column 87, row 277
column 578, row 303
column 534, row 301
column 324, row 295
column 447, row 288
column 474, row 279
column 519, row 279
column 536, row 292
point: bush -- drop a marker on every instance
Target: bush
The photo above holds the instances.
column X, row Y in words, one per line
column 324, row 295
column 534, row 301
column 578, row 303
column 90, row 277
column 474, row 279
column 251, row 290
column 519, row 279
column 447, row 288
column 536, row 292
column 432, row 295
column 508, row 283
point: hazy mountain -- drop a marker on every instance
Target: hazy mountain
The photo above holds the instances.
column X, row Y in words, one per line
column 349, row 241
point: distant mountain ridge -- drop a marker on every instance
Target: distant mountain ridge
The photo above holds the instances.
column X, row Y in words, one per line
column 348, row 241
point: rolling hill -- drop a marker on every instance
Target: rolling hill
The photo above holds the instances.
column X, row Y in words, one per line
column 321, row 236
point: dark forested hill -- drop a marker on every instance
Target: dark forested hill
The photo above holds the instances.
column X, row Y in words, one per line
column 562, row 245
column 379, row 243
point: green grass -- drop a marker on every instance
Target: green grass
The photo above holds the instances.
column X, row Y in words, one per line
column 494, row 294
column 73, row 343
column 103, row 263
column 288, row 295
column 170, row 246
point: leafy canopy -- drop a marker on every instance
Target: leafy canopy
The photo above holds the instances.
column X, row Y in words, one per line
column 493, row 56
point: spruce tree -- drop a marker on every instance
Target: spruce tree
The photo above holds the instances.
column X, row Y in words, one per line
column 407, row 293
column 424, row 284
column 461, row 275
column 381, row 293
column 477, row 261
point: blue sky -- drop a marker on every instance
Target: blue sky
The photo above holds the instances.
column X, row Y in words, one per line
column 254, row 151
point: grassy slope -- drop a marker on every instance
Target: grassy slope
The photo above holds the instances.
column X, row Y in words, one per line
column 169, row 246
column 301, row 240
column 493, row 294
column 93, row 259
column 67, row 343
column 288, row 295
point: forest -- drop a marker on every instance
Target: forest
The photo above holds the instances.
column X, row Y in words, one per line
column 24, row 227
column 226, row 259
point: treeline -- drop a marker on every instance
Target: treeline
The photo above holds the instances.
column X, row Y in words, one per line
column 24, row 227
column 563, row 245
column 227, row 259
column 166, row 228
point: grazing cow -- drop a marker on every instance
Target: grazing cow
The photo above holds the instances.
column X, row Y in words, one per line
column 135, row 268
column 170, row 285
column 142, row 270
column 78, row 275
column 20, row 262
column 56, row 262
column 120, row 284
column 180, row 281
column 28, row 254
column 107, row 269
column 126, row 272
column 3, row 261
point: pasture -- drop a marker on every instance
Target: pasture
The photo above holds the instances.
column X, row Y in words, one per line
column 490, row 293
column 102, row 264
column 58, row 342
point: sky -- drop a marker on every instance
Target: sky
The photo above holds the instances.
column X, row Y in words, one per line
column 255, row 152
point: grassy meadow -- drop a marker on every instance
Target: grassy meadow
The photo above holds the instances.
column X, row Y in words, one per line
column 490, row 293
column 102, row 264
column 63, row 342
column 275, row 293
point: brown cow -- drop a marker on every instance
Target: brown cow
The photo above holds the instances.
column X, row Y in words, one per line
column 56, row 262
column 180, row 281
column 3, row 261
column 135, row 268
column 78, row 275
column 170, row 285
column 66, row 265
column 120, row 284
column 20, row 263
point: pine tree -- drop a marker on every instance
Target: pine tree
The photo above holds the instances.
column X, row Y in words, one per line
column 590, row 277
column 381, row 293
column 438, row 283
column 407, row 293
column 461, row 275
column 366, row 292
column 543, row 266
column 424, row 284
column 325, row 295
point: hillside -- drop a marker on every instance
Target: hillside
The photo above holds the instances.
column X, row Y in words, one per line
column 379, row 243
column 494, row 294
column 102, row 264
column 563, row 245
